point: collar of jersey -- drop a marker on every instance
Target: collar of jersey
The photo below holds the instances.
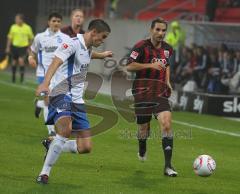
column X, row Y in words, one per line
column 81, row 39
column 51, row 33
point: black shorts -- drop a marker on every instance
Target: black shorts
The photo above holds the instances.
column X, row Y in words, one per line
column 17, row 52
column 145, row 110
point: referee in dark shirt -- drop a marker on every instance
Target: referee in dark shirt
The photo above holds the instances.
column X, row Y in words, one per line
column 151, row 88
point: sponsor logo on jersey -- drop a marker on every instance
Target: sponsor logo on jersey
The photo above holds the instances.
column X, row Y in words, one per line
column 64, row 46
column 59, row 39
column 134, row 54
column 163, row 62
column 50, row 49
column 166, row 53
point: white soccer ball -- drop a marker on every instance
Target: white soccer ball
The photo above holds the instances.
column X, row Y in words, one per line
column 204, row 165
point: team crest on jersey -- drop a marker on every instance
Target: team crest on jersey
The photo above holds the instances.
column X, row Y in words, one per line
column 134, row 54
column 166, row 53
column 59, row 40
column 64, row 46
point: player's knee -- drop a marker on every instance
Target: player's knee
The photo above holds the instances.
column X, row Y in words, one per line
column 65, row 133
column 143, row 132
column 166, row 125
column 21, row 61
column 143, row 128
column 85, row 149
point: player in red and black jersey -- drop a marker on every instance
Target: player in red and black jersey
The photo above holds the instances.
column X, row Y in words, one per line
column 77, row 20
column 149, row 59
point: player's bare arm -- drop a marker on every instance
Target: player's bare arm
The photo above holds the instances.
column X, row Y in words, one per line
column 101, row 55
column 50, row 72
column 32, row 59
column 168, row 77
column 139, row 66
column 9, row 42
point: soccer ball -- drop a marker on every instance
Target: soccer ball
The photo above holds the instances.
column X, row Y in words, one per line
column 204, row 165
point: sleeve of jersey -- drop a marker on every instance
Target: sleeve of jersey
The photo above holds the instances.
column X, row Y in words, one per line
column 35, row 44
column 135, row 55
column 65, row 50
column 10, row 33
column 30, row 34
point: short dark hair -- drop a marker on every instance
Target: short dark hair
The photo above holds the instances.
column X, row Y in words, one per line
column 158, row 20
column 54, row 14
column 99, row 25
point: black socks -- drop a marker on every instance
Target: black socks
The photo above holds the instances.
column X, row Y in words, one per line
column 167, row 145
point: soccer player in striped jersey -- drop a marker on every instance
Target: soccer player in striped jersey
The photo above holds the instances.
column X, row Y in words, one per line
column 151, row 88
column 64, row 82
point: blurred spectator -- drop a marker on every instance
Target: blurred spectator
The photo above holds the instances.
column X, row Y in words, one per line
column 230, row 3
column 214, row 70
column 233, row 80
column 237, row 60
column 199, row 71
column 228, row 66
column 214, row 73
column 233, row 83
column 183, row 61
column 211, row 7
column 176, row 38
column 113, row 8
column 188, row 67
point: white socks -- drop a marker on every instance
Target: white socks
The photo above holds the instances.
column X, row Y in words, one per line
column 45, row 115
column 40, row 103
column 54, row 151
column 70, row 146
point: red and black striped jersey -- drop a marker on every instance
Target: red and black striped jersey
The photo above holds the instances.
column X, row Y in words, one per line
column 69, row 31
column 151, row 81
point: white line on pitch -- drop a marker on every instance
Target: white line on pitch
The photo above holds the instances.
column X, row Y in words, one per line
column 112, row 107
column 17, row 86
column 207, row 128
column 178, row 122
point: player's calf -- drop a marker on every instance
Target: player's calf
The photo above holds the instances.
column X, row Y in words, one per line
column 143, row 134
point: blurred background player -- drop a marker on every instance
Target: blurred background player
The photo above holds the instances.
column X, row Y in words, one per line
column 76, row 27
column 19, row 38
column 42, row 53
column 151, row 89
column 65, row 79
column 176, row 38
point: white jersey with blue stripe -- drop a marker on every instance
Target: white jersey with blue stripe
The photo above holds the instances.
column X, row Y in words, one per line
column 70, row 76
column 45, row 45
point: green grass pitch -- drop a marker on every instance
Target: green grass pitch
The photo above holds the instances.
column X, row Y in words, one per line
column 112, row 167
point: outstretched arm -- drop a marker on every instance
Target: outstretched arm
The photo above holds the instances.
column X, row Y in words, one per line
column 134, row 66
column 102, row 55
